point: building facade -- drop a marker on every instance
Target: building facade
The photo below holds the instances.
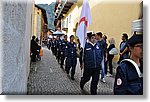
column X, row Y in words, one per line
column 111, row 17
column 40, row 23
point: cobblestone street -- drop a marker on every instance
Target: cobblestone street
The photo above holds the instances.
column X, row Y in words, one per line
column 47, row 78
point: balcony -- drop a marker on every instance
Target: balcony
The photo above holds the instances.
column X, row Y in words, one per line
column 63, row 7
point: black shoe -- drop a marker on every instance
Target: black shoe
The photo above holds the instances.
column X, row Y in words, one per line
column 93, row 93
column 66, row 69
column 61, row 66
column 81, row 86
column 72, row 78
column 67, row 72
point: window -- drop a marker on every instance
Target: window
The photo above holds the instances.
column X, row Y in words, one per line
column 67, row 23
column 70, row 19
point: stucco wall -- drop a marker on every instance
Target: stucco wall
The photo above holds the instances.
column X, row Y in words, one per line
column 15, row 45
column 37, row 22
column 114, row 19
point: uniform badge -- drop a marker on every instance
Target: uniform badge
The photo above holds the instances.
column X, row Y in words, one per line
column 97, row 47
column 119, row 81
column 74, row 45
column 88, row 49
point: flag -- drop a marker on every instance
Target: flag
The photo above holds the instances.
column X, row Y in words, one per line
column 85, row 21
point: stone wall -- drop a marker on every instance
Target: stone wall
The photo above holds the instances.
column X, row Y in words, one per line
column 16, row 29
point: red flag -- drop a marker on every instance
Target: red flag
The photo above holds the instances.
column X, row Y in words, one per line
column 85, row 21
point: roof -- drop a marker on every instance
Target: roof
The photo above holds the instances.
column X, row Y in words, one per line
column 44, row 13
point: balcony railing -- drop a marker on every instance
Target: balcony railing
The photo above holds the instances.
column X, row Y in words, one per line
column 62, row 5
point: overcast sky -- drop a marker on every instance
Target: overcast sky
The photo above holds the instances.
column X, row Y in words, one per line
column 44, row 1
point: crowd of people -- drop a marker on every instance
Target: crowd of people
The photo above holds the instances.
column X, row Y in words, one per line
column 96, row 57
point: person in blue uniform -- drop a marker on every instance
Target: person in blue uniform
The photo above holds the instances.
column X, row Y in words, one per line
column 49, row 43
column 58, row 44
column 129, row 77
column 71, row 59
column 63, row 48
column 53, row 47
column 92, row 64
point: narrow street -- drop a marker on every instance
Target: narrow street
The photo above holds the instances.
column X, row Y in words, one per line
column 47, row 78
column 97, row 31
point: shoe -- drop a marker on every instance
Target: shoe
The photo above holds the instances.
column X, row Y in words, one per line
column 108, row 75
column 103, row 80
column 81, row 86
column 67, row 72
column 72, row 78
column 61, row 66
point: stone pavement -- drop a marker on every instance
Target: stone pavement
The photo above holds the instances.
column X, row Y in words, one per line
column 47, row 78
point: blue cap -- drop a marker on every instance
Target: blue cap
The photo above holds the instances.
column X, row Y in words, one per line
column 89, row 34
column 135, row 39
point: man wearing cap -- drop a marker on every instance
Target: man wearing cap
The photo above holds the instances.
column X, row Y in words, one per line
column 71, row 59
column 63, row 48
column 129, row 77
column 91, row 61
column 58, row 45
column 53, row 46
column 88, row 35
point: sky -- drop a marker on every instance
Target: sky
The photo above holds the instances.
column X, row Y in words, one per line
column 44, row 1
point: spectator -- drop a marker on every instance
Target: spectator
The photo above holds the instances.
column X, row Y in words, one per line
column 124, row 52
column 109, row 56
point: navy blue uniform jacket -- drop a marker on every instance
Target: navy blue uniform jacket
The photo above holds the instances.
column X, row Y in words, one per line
column 127, row 81
column 92, row 56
